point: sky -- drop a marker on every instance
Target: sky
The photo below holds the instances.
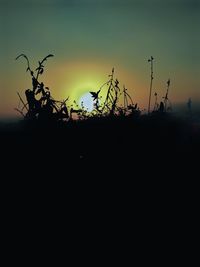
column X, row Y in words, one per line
column 89, row 37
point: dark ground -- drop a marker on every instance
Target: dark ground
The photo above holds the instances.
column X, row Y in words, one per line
column 138, row 177
column 158, row 144
column 151, row 157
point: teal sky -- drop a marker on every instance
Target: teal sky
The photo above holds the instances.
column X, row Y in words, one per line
column 96, row 35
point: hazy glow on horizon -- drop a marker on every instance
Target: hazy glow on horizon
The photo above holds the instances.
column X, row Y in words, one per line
column 88, row 38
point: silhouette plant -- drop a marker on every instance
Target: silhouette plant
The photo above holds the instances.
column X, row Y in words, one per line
column 167, row 102
column 110, row 103
column 156, row 105
column 151, row 83
column 110, row 106
column 129, row 108
column 96, row 99
column 41, row 105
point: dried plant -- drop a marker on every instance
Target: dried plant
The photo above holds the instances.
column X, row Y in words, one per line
column 151, row 83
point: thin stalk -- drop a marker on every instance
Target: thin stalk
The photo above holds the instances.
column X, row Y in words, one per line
column 151, row 83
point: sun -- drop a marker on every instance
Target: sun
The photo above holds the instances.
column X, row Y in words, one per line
column 87, row 102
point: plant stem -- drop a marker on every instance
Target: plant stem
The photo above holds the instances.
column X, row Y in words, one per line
column 151, row 83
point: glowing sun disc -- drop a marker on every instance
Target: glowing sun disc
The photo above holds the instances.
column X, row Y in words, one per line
column 87, row 101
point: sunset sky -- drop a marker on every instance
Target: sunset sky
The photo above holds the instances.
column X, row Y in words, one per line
column 89, row 37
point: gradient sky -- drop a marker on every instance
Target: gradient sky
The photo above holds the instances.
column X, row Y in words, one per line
column 88, row 38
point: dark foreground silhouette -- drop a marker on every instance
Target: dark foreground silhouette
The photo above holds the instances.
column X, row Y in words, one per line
column 115, row 170
column 113, row 145
column 158, row 144
column 141, row 172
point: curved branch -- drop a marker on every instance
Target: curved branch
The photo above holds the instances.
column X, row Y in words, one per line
column 40, row 68
column 28, row 64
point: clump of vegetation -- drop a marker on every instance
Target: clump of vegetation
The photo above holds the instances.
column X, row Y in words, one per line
column 40, row 104
column 165, row 105
column 116, row 134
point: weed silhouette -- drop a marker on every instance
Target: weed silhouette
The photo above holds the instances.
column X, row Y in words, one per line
column 41, row 105
column 167, row 103
column 151, row 83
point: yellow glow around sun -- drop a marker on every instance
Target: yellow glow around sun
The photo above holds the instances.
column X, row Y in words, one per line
column 77, row 78
column 84, row 78
column 81, row 89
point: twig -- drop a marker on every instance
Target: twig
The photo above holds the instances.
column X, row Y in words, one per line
column 22, row 101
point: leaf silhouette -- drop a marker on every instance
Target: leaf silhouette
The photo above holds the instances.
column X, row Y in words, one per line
column 95, row 94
